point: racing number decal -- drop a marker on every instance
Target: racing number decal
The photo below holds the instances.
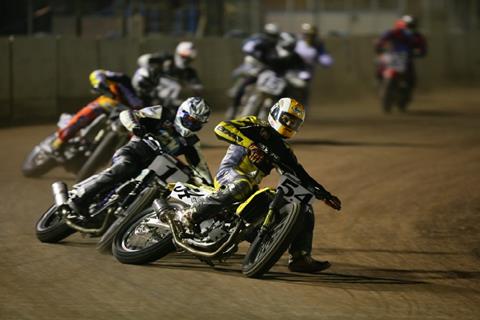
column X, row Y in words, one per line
column 290, row 187
column 183, row 192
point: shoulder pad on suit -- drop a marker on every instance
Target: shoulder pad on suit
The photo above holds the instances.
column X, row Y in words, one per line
column 154, row 112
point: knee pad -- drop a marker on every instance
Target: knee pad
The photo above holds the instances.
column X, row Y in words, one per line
column 237, row 190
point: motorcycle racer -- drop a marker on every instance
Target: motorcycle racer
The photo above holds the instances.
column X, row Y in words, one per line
column 153, row 66
column 312, row 50
column 245, row 165
column 176, row 134
column 406, row 40
column 114, row 89
column 256, row 49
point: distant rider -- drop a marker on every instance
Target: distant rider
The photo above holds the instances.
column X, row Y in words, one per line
column 256, row 48
column 245, row 165
column 115, row 89
column 404, row 39
column 312, row 50
column 176, row 134
column 282, row 59
column 154, row 66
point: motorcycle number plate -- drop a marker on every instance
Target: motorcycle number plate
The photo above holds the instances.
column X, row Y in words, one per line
column 167, row 170
column 269, row 83
column 398, row 61
column 186, row 193
column 294, row 191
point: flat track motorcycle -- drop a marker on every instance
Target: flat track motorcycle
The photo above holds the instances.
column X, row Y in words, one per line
column 109, row 209
column 269, row 219
column 84, row 153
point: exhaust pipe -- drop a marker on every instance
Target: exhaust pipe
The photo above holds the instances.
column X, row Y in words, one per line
column 60, row 193
column 160, row 205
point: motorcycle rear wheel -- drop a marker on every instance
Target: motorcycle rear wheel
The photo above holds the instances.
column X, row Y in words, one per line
column 51, row 228
column 268, row 247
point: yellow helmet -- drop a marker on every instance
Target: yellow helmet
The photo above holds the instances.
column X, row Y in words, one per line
column 286, row 116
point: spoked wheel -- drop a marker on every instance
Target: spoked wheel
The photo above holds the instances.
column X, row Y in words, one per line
column 268, row 246
column 144, row 240
column 51, row 227
column 144, row 200
column 37, row 163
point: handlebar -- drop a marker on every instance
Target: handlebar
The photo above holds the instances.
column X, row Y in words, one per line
column 283, row 167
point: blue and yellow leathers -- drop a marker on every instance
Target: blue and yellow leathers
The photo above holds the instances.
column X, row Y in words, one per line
column 238, row 176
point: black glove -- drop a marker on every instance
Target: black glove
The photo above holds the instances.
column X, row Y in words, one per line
column 333, row 201
column 139, row 130
column 329, row 199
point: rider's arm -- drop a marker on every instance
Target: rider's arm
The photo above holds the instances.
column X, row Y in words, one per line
column 419, row 45
column 289, row 158
column 131, row 118
column 230, row 131
column 323, row 57
column 382, row 41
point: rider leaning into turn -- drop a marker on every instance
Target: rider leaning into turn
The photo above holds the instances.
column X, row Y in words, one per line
column 115, row 90
column 152, row 66
column 176, row 134
column 245, row 165
column 256, row 48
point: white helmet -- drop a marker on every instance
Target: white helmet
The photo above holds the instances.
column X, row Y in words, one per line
column 191, row 115
column 286, row 116
column 184, row 54
column 271, row 29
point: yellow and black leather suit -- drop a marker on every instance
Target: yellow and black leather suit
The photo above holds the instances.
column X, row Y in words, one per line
column 238, row 176
column 236, row 164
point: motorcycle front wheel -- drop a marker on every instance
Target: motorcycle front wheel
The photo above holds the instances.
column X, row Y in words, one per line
column 37, row 163
column 51, row 227
column 145, row 239
column 269, row 245
column 143, row 200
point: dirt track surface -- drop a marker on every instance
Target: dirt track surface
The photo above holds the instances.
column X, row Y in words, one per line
column 405, row 246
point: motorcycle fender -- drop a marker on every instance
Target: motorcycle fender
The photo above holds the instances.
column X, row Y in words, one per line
column 256, row 205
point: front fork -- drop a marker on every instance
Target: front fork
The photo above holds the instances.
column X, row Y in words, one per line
column 272, row 210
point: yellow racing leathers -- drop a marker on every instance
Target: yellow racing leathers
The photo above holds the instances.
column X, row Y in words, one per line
column 243, row 167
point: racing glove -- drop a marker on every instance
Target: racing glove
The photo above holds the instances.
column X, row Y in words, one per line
column 334, row 202
column 255, row 154
column 329, row 199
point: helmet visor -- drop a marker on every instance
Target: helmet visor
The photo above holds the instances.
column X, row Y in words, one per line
column 290, row 121
column 190, row 122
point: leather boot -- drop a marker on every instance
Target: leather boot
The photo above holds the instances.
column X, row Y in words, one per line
column 304, row 263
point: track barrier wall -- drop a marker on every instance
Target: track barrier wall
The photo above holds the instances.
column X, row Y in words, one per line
column 42, row 77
